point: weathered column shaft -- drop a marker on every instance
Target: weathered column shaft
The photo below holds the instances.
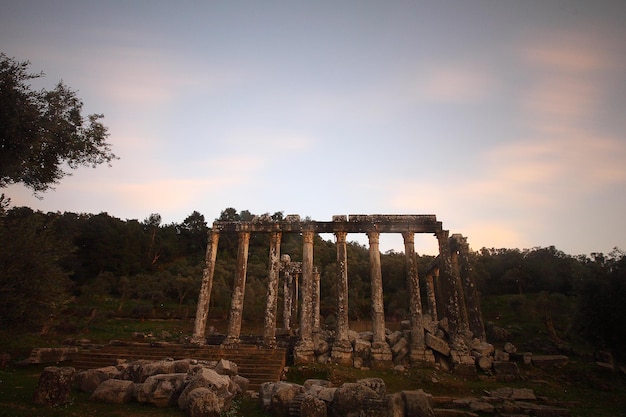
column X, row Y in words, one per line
column 341, row 352
column 415, row 299
column 316, row 301
column 430, row 294
column 470, row 290
column 204, row 298
column 269, row 328
column 450, row 297
column 239, row 290
column 376, row 278
column 295, row 297
column 287, row 299
column 307, row 286
column 342, row 288
column 454, row 257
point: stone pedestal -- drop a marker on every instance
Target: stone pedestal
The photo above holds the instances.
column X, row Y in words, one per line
column 381, row 356
column 417, row 355
column 304, row 353
column 342, row 353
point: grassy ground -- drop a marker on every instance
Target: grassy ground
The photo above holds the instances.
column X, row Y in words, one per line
column 583, row 386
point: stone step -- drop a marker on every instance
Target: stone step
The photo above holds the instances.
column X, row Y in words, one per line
column 257, row 364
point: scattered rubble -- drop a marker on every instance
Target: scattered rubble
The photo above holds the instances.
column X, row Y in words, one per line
column 368, row 398
column 200, row 388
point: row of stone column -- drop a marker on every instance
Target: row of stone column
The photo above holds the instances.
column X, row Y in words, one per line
column 450, row 289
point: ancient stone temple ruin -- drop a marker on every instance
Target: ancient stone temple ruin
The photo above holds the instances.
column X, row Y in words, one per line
column 451, row 295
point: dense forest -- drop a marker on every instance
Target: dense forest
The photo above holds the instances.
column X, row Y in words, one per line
column 59, row 266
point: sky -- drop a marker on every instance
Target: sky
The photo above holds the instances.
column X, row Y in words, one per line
column 505, row 119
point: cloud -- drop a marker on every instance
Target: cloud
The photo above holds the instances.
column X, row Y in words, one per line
column 454, row 83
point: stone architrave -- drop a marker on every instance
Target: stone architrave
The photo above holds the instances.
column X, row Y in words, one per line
column 417, row 346
column 271, row 307
column 342, row 348
column 380, row 351
column 204, row 298
column 236, row 307
column 304, row 349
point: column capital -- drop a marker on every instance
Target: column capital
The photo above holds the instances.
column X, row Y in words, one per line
column 442, row 234
column 409, row 237
column 341, row 236
column 308, row 236
column 373, row 236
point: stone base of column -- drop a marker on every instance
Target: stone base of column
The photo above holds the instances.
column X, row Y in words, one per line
column 230, row 342
column 462, row 358
column 269, row 343
column 381, row 357
column 342, row 353
column 304, row 353
column 417, row 354
column 197, row 341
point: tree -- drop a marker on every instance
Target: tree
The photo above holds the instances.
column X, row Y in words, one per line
column 41, row 131
column 33, row 285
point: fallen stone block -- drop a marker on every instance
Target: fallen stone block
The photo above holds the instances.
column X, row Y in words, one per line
column 418, row 403
column 114, row 391
column 49, row 355
column 54, row 386
column 506, row 371
column 550, row 360
column 437, row 344
column 161, row 390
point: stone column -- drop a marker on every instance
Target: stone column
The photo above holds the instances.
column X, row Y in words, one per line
column 316, row 301
column 381, row 352
column 342, row 348
column 269, row 328
column 202, row 310
column 470, row 291
column 287, row 292
column 454, row 257
column 239, row 290
column 304, row 350
column 415, row 299
column 295, row 297
column 450, row 297
column 430, row 293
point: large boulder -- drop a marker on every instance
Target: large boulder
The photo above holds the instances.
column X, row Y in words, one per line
column 221, row 385
column 114, row 391
column 226, row 367
column 276, row 397
column 418, row 403
column 54, row 386
column 134, row 371
column 161, row 390
column 203, row 402
column 312, row 406
column 355, row 399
